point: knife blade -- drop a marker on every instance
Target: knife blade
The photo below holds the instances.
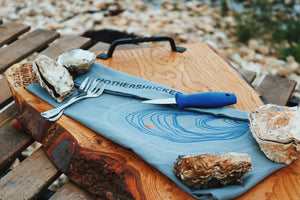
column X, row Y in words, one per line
column 205, row 99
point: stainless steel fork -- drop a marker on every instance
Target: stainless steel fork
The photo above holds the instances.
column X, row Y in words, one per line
column 89, row 88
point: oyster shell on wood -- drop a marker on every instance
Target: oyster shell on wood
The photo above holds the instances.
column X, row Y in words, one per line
column 77, row 61
column 277, row 131
column 205, row 171
column 53, row 77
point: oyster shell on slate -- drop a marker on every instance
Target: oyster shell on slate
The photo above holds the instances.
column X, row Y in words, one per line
column 206, row 171
column 53, row 77
column 77, row 61
column 277, row 131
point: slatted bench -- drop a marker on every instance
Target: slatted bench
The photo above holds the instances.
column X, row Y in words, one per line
column 31, row 178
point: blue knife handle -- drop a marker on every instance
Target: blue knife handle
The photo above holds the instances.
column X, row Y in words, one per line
column 205, row 99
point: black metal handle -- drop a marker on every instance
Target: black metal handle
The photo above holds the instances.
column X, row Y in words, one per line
column 139, row 40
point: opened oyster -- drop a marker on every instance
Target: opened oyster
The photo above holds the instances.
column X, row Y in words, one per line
column 205, row 171
column 77, row 61
column 277, row 131
column 53, row 77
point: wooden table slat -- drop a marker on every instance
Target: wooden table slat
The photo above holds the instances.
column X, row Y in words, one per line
column 20, row 49
column 276, row 90
column 7, row 114
column 59, row 46
column 71, row 191
column 66, row 43
column 248, row 75
column 12, row 141
column 10, row 31
column 101, row 46
column 5, row 93
column 27, row 180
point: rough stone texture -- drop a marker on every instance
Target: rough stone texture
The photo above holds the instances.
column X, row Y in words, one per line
column 275, row 128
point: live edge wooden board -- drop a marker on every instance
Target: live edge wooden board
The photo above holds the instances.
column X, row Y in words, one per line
column 107, row 170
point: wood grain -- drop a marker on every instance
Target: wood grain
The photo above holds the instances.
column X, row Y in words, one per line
column 5, row 94
column 81, row 153
column 101, row 46
column 199, row 69
column 283, row 184
column 20, row 49
column 10, row 31
column 37, row 171
column 12, row 141
column 7, row 114
column 110, row 171
column 70, row 191
column 276, row 90
column 65, row 43
column 248, row 75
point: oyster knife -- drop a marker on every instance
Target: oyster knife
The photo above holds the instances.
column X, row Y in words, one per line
column 205, row 99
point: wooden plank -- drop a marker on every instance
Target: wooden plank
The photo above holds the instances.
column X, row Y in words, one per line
column 10, row 31
column 64, row 44
column 25, row 46
column 7, row 114
column 276, row 90
column 248, row 75
column 101, row 46
column 5, row 93
column 27, row 180
column 71, row 191
column 12, row 141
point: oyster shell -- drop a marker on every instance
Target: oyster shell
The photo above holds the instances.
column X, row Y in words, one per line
column 77, row 61
column 277, row 131
column 53, row 77
column 205, row 171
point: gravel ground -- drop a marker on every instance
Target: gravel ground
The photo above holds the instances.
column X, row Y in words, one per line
column 188, row 22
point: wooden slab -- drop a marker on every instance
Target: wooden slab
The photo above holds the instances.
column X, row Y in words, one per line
column 199, row 69
column 20, row 49
column 113, row 170
column 109, row 171
column 283, row 184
